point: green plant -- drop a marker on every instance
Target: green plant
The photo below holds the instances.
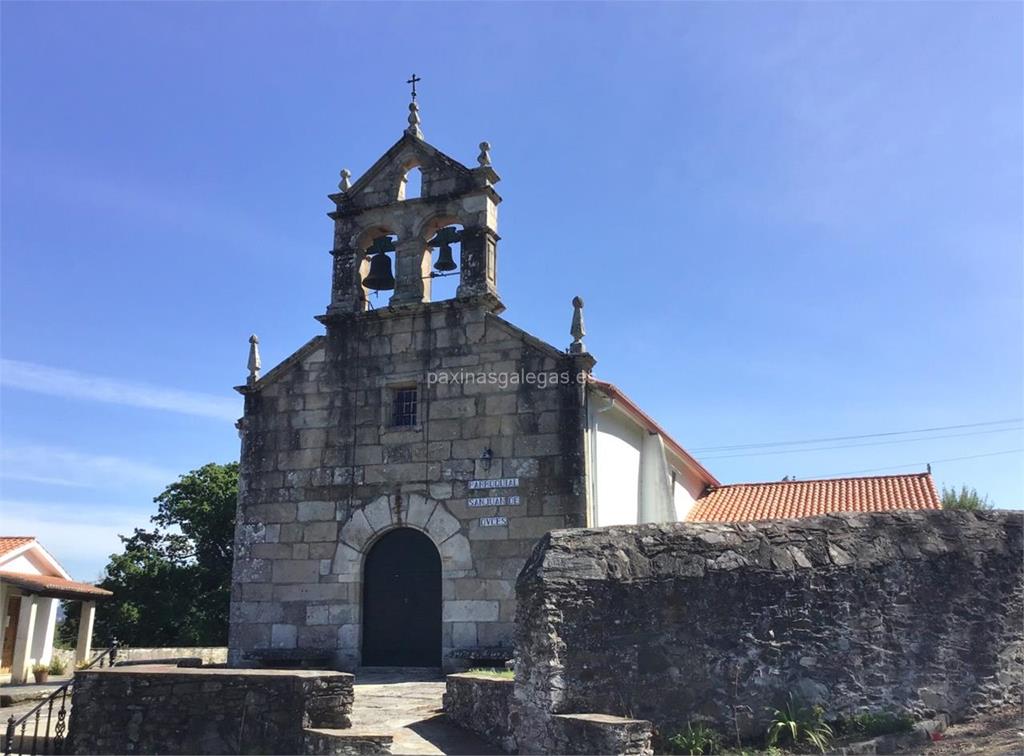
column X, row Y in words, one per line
column 696, row 740
column 57, row 666
column 966, row 498
column 795, row 723
column 40, row 668
column 871, row 724
column 82, row 664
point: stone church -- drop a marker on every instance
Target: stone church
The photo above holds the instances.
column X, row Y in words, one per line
column 397, row 470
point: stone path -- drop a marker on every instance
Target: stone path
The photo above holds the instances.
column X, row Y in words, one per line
column 406, row 703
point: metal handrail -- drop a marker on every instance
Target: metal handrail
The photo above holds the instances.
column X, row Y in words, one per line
column 53, row 745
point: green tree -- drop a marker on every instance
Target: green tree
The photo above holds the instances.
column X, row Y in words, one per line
column 966, row 498
column 172, row 583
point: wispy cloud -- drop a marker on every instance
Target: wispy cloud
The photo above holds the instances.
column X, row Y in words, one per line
column 36, row 463
column 81, row 538
column 71, row 384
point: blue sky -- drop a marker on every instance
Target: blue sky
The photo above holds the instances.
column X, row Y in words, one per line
column 788, row 221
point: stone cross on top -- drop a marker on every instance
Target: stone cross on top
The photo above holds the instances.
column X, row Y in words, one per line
column 413, row 81
column 414, row 111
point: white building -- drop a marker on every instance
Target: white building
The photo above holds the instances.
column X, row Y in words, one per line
column 32, row 584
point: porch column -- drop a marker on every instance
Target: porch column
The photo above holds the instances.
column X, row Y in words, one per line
column 86, row 617
column 21, row 668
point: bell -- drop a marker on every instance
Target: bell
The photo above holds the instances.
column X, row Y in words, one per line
column 444, row 259
column 379, row 278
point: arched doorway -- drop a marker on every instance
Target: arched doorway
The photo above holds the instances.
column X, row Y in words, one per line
column 402, row 601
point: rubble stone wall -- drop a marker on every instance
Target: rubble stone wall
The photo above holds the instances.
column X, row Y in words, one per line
column 195, row 711
column 483, row 705
column 206, row 654
column 917, row 612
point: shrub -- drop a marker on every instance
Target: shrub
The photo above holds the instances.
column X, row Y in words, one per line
column 796, row 724
column 57, row 666
column 696, row 740
column 40, row 668
column 966, row 498
column 871, row 724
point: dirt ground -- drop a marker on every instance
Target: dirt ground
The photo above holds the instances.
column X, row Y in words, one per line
column 994, row 734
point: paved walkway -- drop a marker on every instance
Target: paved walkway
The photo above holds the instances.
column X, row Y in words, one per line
column 406, row 703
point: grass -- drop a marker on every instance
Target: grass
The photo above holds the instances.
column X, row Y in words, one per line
column 508, row 674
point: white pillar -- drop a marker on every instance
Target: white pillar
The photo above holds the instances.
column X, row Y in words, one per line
column 83, row 649
column 21, row 669
column 46, row 623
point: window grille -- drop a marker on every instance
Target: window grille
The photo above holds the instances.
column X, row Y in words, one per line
column 403, row 407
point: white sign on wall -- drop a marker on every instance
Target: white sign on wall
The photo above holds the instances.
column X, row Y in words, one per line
column 490, row 522
column 475, row 485
column 494, row 501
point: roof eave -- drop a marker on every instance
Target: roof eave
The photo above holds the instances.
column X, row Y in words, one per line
column 646, row 420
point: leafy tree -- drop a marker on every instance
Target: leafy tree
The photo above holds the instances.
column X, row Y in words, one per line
column 966, row 498
column 172, row 583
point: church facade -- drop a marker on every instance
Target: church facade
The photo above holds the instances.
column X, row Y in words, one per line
column 397, row 470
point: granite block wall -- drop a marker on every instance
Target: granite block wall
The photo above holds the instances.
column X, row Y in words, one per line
column 916, row 611
column 323, row 475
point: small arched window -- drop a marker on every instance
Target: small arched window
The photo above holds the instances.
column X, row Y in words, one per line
column 411, row 186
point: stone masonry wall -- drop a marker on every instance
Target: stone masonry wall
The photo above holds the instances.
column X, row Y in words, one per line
column 686, row 622
column 194, row 711
column 482, row 704
column 323, row 475
column 206, row 654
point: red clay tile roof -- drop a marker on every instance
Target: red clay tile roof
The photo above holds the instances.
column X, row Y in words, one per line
column 54, row 586
column 10, row 543
column 743, row 502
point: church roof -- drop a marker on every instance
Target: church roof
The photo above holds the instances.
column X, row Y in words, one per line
column 743, row 502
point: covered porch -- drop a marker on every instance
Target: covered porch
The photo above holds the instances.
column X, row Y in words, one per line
column 30, row 608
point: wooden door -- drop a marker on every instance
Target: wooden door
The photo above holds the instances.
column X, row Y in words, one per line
column 402, row 602
column 10, row 631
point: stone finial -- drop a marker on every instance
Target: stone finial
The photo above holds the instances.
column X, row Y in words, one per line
column 254, row 359
column 577, row 330
column 414, row 121
column 345, row 184
column 484, row 158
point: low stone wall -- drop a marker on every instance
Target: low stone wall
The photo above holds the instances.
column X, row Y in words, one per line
column 916, row 612
column 204, row 711
column 208, row 654
column 482, row 704
column 600, row 733
column 333, row 743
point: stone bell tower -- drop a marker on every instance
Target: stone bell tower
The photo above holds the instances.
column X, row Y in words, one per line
column 374, row 217
column 397, row 470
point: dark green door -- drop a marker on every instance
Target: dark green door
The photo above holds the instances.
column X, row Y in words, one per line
column 402, row 602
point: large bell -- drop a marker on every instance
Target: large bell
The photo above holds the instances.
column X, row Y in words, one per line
column 445, row 262
column 380, row 278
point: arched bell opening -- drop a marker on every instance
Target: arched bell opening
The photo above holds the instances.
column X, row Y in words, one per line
column 411, row 185
column 377, row 264
column 442, row 265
